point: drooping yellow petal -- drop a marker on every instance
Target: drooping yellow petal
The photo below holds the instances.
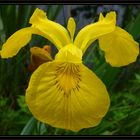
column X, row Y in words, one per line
column 15, row 42
column 120, row 48
column 67, row 95
column 71, row 27
column 51, row 29
column 93, row 31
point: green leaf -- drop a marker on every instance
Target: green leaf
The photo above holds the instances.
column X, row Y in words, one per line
column 53, row 11
column 137, row 77
column 137, row 80
column 24, row 14
column 41, row 128
column 10, row 12
column 29, row 127
column 134, row 30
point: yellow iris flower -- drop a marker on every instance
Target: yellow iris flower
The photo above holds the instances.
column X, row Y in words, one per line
column 64, row 93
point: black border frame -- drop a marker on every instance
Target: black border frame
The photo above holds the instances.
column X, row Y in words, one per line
column 70, row 2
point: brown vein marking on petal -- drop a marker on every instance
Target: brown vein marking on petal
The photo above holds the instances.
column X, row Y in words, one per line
column 68, row 77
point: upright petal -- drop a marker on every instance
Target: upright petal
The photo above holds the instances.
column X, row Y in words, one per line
column 120, row 48
column 67, row 95
column 51, row 29
column 71, row 27
column 91, row 32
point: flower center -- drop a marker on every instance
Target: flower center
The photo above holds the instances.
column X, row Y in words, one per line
column 69, row 53
column 68, row 77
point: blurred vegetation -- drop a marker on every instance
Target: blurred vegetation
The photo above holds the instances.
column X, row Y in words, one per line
column 122, row 83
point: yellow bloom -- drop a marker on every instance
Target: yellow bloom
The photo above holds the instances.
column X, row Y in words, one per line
column 64, row 93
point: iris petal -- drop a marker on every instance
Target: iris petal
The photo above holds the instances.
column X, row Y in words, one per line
column 69, row 53
column 76, row 100
column 54, row 32
column 71, row 27
column 120, row 48
column 51, row 29
column 18, row 40
column 91, row 32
